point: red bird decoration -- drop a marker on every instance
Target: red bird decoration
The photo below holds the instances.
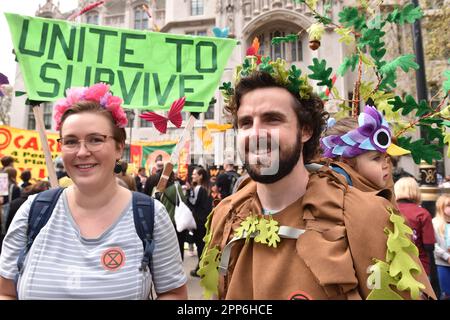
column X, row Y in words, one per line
column 253, row 50
column 174, row 116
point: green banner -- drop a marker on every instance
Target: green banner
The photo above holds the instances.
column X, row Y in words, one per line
column 149, row 70
column 152, row 154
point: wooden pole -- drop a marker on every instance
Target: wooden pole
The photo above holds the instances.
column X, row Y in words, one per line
column 168, row 167
column 39, row 117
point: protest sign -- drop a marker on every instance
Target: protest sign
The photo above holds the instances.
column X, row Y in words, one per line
column 26, row 148
column 149, row 70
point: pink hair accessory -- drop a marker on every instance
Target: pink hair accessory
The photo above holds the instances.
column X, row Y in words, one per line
column 98, row 92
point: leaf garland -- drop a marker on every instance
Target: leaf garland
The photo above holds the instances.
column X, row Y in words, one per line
column 321, row 73
column 399, row 268
column 265, row 230
column 209, row 272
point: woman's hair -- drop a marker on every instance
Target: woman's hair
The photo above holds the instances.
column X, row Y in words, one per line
column 7, row 161
column 119, row 134
column 123, row 167
column 407, row 189
column 25, row 175
column 205, row 181
column 310, row 112
column 36, row 188
column 441, row 203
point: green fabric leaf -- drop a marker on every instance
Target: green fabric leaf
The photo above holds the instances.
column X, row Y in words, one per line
column 389, row 81
column 348, row 62
column 321, row 73
column 265, row 65
column 405, row 62
column 209, row 273
column 375, row 23
column 446, row 84
column 408, row 106
column 433, row 133
column 370, row 37
column 409, row 14
column 378, row 54
column 420, row 150
column 381, row 282
column 289, row 38
column 349, row 17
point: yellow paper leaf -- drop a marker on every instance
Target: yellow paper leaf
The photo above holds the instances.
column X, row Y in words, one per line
column 316, row 31
column 345, row 34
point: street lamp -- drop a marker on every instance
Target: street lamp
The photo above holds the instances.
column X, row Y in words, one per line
column 130, row 115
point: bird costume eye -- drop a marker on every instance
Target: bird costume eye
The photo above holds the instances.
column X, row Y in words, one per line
column 381, row 139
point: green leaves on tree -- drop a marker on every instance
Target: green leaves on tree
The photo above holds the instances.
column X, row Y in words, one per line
column 349, row 17
column 420, row 150
column 350, row 61
column 409, row 105
column 409, row 14
column 321, row 73
column 405, row 62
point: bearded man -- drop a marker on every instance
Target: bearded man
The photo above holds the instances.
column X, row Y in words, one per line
column 290, row 233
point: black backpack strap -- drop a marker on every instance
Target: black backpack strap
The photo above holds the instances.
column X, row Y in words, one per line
column 144, row 220
column 40, row 211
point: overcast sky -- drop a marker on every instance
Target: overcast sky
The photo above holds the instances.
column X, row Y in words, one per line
column 24, row 7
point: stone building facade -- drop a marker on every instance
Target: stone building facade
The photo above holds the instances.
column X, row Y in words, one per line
column 246, row 19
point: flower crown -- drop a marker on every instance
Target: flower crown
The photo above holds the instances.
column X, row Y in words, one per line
column 98, row 92
column 290, row 78
column 373, row 134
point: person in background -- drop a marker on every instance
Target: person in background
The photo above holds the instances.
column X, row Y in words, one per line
column 170, row 199
column 64, row 180
column 140, row 179
column 441, row 225
column 129, row 180
column 408, row 196
column 215, row 195
column 200, row 203
column 153, row 180
column 6, row 161
column 25, row 176
column 28, row 191
column 5, row 201
column 227, row 179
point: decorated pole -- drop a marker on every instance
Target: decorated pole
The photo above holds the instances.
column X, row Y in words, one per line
column 39, row 117
column 168, row 167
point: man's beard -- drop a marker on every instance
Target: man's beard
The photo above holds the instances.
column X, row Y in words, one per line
column 287, row 161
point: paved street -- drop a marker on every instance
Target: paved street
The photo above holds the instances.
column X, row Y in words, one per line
column 194, row 289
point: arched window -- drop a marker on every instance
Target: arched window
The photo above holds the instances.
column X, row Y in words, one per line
column 277, row 50
column 196, row 7
column 140, row 19
column 297, row 50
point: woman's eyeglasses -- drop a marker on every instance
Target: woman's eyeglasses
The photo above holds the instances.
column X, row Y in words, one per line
column 92, row 142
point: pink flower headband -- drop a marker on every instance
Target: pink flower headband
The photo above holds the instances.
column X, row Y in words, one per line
column 98, row 92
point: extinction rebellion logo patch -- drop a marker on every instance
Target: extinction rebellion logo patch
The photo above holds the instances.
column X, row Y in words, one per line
column 113, row 259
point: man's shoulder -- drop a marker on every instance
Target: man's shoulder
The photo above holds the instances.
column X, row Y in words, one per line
column 235, row 201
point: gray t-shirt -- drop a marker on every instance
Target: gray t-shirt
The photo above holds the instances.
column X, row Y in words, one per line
column 62, row 264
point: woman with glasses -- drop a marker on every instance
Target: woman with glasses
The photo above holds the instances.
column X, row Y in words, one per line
column 89, row 248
